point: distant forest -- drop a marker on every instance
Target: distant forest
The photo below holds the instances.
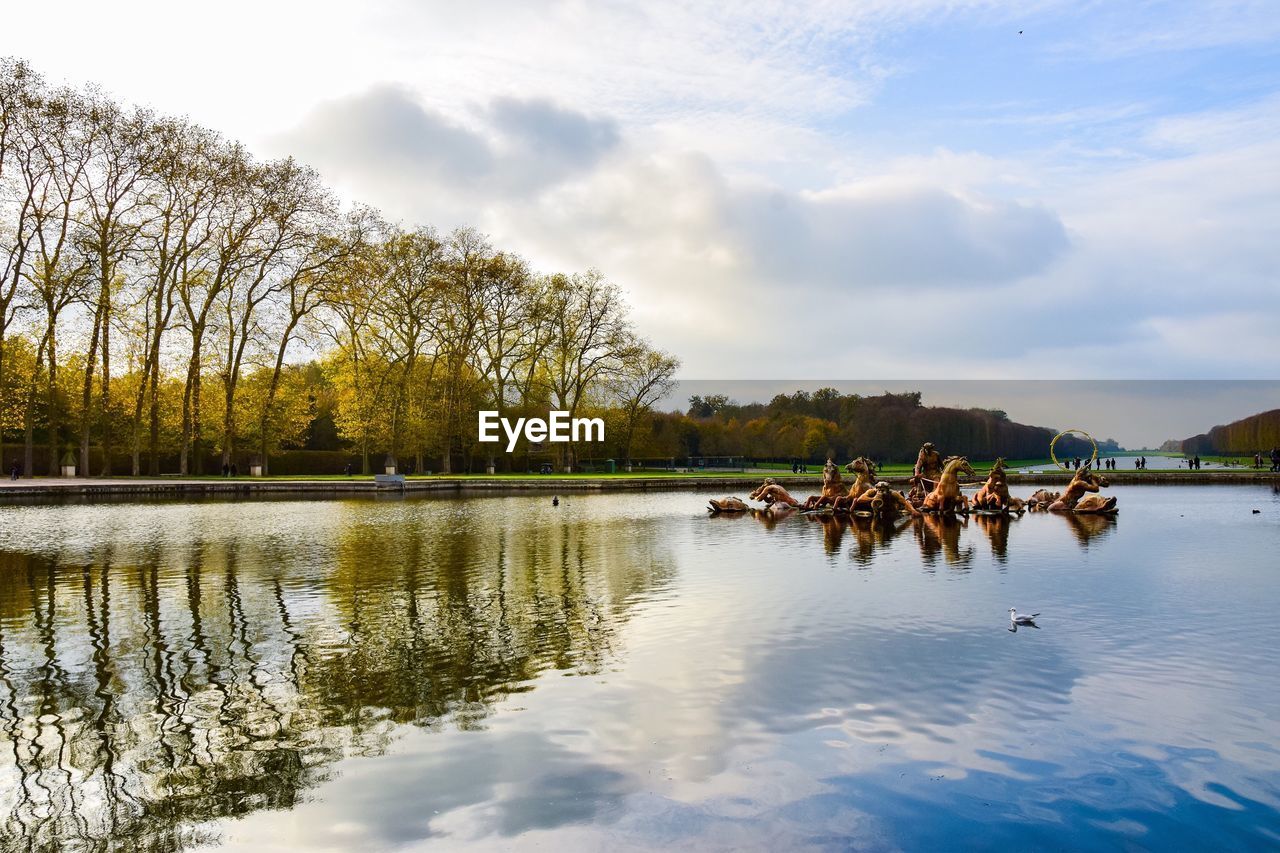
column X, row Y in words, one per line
column 887, row 428
column 1259, row 432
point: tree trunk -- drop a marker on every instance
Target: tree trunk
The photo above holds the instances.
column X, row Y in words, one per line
column 228, row 422
column 106, row 393
column 86, row 401
column 197, row 425
column 188, row 392
column 52, row 416
column 153, row 446
column 29, row 434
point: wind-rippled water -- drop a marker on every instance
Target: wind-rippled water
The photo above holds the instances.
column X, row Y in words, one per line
column 622, row 671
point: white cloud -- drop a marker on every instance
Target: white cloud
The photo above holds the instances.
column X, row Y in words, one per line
column 725, row 165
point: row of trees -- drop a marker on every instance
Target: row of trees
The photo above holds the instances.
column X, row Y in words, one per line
column 159, row 285
column 887, row 427
column 1254, row 434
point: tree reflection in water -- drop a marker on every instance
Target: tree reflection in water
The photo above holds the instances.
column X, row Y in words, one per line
column 145, row 692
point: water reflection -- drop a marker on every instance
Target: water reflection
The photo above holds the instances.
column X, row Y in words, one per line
column 620, row 671
column 147, row 694
column 1088, row 527
column 996, row 527
column 940, row 535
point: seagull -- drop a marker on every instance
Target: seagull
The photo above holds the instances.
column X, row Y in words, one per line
column 1023, row 619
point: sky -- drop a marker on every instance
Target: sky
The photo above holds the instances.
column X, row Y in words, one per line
column 907, row 189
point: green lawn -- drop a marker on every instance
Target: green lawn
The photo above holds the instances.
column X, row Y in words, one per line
column 777, row 470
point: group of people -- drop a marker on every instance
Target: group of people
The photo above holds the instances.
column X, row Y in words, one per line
column 1275, row 459
column 934, row 488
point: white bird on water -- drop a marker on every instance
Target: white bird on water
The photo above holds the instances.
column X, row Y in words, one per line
column 1022, row 619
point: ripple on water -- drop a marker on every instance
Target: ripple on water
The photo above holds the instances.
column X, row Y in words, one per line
column 622, row 671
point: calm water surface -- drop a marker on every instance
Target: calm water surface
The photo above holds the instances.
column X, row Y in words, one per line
column 624, row 672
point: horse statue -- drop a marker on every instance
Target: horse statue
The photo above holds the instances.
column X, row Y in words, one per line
column 946, row 496
column 1074, row 498
column 832, row 488
column 994, row 494
column 865, row 469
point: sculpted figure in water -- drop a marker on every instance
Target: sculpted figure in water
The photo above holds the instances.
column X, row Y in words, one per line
column 1074, row 498
column 1042, row 499
column 864, row 470
column 727, row 505
column 928, row 464
column 771, row 493
column 832, row 488
column 884, row 502
column 946, row 497
column 917, row 493
column 994, row 494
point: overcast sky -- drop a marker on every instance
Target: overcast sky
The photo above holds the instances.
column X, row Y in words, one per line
column 892, row 188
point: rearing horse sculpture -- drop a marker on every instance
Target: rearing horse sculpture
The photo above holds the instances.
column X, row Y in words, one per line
column 864, row 469
column 994, row 494
column 946, row 496
column 832, row 488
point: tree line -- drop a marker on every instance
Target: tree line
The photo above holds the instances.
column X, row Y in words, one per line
column 811, row 426
column 165, row 296
column 1254, row 434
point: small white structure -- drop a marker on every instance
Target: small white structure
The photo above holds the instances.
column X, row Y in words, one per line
column 255, row 467
column 389, row 464
column 68, row 464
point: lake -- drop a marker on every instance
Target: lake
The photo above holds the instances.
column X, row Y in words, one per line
column 624, row 672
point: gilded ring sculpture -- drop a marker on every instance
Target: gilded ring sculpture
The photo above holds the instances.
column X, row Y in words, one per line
column 1092, row 462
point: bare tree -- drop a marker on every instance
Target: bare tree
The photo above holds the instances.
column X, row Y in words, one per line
column 52, row 168
column 589, row 340
column 646, row 376
column 180, row 208
column 20, row 88
column 290, row 199
column 122, row 152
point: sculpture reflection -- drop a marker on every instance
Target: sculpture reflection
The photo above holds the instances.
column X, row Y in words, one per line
column 1089, row 526
column 874, row 534
column 940, row 534
column 997, row 529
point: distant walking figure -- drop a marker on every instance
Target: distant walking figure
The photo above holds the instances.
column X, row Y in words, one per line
column 226, row 470
column 1275, row 459
column 13, row 472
